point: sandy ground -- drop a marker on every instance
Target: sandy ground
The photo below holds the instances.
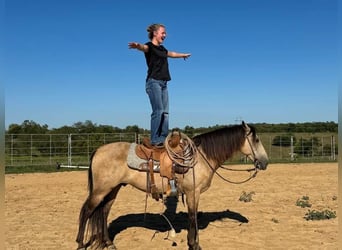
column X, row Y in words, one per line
column 42, row 212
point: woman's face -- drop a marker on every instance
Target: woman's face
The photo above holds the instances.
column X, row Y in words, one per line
column 160, row 35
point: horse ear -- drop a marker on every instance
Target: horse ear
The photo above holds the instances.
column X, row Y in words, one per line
column 246, row 127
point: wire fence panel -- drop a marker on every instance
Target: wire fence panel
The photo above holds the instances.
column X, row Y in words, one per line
column 301, row 147
column 51, row 149
column 76, row 149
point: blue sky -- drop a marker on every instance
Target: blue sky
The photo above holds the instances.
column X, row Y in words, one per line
column 272, row 61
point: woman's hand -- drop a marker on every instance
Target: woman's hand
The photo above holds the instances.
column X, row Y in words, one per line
column 138, row 46
column 178, row 55
column 186, row 56
column 133, row 45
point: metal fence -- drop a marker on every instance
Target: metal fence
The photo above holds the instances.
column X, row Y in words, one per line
column 52, row 149
column 76, row 149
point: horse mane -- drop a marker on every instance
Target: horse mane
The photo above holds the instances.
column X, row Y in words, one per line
column 222, row 143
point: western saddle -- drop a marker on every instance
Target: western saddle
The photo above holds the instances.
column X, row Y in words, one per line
column 167, row 168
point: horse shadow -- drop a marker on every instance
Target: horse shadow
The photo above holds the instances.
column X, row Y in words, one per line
column 179, row 220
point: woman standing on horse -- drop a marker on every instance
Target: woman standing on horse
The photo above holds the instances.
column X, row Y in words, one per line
column 158, row 75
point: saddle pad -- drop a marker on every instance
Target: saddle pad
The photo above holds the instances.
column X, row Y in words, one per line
column 134, row 162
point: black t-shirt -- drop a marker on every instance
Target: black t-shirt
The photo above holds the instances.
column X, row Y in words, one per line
column 156, row 60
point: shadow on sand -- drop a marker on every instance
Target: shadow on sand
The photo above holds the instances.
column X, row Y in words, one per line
column 178, row 220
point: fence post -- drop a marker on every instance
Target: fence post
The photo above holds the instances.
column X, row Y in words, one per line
column 292, row 149
column 50, row 149
column 322, row 143
column 312, row 148
column 69, row 149
column 302, row 146
column 280, row 148
column 31, row 149
column 333, row 156
column 12, row 142
column 270, row 145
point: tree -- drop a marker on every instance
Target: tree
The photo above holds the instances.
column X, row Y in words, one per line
column 86, row 127
column 132, row 129
column 14, row 129
column 28, row 127
column 190, row 131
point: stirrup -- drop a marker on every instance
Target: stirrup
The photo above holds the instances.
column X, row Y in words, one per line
column 173, row 191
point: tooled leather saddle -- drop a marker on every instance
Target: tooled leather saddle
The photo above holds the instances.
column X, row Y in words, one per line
column 158, row 156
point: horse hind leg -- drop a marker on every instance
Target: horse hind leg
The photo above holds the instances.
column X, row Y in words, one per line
column 110, row 200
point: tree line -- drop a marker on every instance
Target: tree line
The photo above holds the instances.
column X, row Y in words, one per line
column 32, row 127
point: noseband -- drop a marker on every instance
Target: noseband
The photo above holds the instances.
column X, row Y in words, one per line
column 256, row 162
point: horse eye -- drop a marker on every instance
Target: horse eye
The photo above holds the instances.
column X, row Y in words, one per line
column 257, row 140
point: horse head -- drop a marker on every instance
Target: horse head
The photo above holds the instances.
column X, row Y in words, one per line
column 253, row 148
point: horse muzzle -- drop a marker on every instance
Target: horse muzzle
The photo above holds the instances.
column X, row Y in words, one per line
column 260, row 164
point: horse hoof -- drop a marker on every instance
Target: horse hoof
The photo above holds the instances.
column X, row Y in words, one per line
column 195, row 248
column 111, row 247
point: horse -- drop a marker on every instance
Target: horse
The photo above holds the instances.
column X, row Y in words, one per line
column 108, row 172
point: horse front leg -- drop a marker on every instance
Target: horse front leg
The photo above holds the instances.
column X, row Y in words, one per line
column 193, row 237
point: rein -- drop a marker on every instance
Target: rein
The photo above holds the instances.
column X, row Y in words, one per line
column 238, row 182
column 255, row 169
column 188, row 160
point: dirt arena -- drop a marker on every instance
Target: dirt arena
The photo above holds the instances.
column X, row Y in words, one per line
column 42, row 212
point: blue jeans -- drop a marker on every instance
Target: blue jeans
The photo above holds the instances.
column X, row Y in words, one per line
column 159, row 99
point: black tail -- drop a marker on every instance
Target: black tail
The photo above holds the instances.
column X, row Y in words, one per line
column 90, row 174
column 97, row 222
column 95, row 219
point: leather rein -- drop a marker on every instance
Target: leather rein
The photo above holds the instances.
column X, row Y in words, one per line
column 255, row 169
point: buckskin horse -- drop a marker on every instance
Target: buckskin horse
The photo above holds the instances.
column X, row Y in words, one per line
column 108, row 172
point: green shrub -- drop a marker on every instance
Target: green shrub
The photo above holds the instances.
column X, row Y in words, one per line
column 303, row 202
column 320, row 215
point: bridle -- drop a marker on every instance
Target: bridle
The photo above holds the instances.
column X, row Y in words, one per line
column 256, row 162
column 255, row 169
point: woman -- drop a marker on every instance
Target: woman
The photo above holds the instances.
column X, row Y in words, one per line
column 158, row 75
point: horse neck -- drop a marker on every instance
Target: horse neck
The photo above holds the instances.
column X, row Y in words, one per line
column 217, row 155
column 212, row 164
column 219, row 146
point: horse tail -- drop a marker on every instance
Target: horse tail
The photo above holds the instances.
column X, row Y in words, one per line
column 97, row 222
column 92, row 218
column 90, row 173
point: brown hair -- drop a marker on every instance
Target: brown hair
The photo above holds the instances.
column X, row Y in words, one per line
column 221, row 144
column 152, row 28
